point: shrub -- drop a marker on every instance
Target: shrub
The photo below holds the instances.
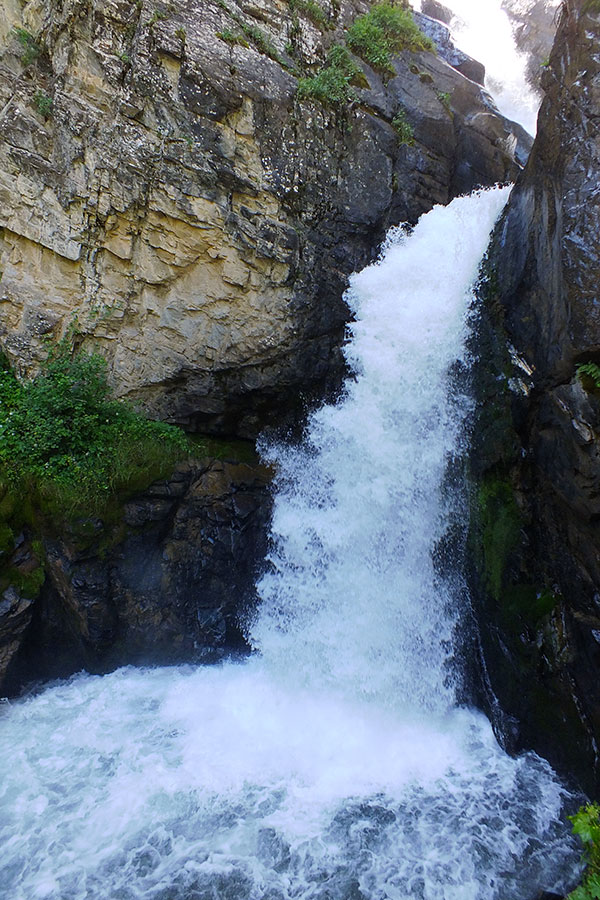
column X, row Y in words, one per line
column 332, row 85
column 383, row 31
column 403, row 128
column 311, row 10
column 31, row 49
column 43, row 104
column 69, row 447
column 232, row 38
column 261, row 40
column 586, row 824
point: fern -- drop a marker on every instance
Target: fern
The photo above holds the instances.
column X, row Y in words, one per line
column 591, row 371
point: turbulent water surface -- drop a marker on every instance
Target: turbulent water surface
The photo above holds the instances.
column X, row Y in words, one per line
column 334, row 764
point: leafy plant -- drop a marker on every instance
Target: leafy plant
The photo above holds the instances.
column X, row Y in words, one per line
column 383, row 31
column 444, row 98
column 586, row 825
column 31, row 49
column 66, row 444
column 332, row 85
column 403, row 128
column 591, row 374
column 43, row 104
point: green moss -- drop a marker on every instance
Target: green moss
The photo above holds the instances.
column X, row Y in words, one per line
column 232, row 38
column 384, row 31
column 527, row 603
column 499, row 521
column 232, row 451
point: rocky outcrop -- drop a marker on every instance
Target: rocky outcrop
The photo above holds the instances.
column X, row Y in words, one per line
column 536, row 532
column 169, row 580
column 440, row 34
column 162, row 184
column 534, row 26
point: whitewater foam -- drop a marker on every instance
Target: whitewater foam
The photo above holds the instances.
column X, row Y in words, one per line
column 334, row 764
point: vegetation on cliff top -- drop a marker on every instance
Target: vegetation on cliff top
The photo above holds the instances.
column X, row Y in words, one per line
column 375, row 37
column 68, row 446
column 383, row 31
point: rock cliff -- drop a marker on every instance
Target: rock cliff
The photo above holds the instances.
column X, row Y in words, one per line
column 170, row 197
column 162, row 182
column 535, row 535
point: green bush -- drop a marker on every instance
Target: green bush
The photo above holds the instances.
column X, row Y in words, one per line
column 384, row 31
column 403, row 128
column 68, row 447
column 586, row 824
column 30, row 48
column 311, row 10
column 332, row 85
column 43, row 104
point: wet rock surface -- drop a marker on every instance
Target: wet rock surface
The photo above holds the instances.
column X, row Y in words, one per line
column 171, row 581
column 441, row 36
column 196, row 217
column 536, row 538
column 534, row 24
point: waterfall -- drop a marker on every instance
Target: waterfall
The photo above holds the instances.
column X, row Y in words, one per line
column 353, row 599
column 335, row 764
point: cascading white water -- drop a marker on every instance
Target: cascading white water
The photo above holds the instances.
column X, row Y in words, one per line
column 334, row 765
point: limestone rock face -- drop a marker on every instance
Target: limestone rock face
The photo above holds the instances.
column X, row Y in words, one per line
column 170, row 582
column 164, row 192
column 537, row 455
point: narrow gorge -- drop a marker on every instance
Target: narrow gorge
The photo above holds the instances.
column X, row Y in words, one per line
column 337, row 638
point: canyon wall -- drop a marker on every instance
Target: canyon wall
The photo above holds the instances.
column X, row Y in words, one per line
column 170, row 199
column 535, row 538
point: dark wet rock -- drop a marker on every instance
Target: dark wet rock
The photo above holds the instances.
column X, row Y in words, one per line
column 170, row 582
column 536, row 460
column 441, row 36
column 534, row 26
column 436, row 10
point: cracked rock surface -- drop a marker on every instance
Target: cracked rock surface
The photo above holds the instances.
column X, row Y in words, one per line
column 162, row 185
